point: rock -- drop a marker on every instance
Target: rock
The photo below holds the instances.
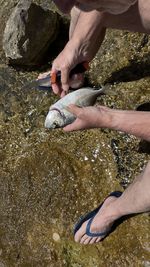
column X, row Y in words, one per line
column 123, row 57
column 28, row 33
column 56, row 237
column 49, row 179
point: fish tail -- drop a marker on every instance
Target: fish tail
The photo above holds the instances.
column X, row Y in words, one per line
column 106, row 89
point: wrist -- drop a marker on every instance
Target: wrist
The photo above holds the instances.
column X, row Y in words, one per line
column 114, row 119
column 108, row 116
column 73, row 48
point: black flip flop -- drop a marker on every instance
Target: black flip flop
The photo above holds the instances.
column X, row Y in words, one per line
column 90, row 216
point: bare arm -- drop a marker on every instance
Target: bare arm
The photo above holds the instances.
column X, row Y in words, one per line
column 89, row 33
column 83, row 45
column 131, row 122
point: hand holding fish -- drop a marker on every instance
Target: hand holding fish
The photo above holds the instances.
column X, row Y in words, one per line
column 129, row 121
column 88, row 117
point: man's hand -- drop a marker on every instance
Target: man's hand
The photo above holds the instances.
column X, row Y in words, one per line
column 88, row 117
column 80, row 48
column 65, row 62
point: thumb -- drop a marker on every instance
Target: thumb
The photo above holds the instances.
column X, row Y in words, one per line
column 74, row 126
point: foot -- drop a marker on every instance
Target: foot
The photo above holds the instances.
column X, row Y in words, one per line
column 102, row 222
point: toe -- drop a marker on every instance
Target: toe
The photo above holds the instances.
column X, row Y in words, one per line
column 80, row 233
column 98, row 239
column 87, row 240
column 83, row 239
column 93, row 240
column 78, row 236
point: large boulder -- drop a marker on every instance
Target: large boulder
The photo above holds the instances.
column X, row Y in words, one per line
column 29, row 32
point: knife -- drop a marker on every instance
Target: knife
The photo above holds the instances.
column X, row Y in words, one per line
column 51, row 78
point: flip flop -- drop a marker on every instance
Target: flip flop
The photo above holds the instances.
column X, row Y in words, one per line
column 90, row 216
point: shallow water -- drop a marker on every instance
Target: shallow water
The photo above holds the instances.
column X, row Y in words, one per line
column 50, row 178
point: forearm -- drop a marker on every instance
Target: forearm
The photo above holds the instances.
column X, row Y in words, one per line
column 132, row 122
column 88, row 33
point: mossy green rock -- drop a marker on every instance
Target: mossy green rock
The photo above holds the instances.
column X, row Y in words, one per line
column 49, row 178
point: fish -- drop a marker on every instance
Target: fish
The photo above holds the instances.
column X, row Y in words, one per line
column 58, row 115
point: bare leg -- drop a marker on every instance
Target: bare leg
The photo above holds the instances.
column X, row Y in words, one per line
column 136, row 19
column 135, row 199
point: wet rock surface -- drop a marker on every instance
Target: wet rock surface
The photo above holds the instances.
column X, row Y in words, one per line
column 49, row 178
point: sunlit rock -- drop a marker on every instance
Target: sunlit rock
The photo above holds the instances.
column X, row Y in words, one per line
column 29, row 32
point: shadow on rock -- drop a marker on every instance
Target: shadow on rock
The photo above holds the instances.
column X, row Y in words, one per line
column 134, row 71
column 119, row 222
column 144, row 146
column 54, row 49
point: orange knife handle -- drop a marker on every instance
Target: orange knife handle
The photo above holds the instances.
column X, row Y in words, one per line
column 53, row 77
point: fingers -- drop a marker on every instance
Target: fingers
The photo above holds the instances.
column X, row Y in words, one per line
column 61, row 88
column 75, row 126
column 55, row 88
column 78, row 124
column 63, row 93
column 86, row 118
column 65, row 79
column 74, row 109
